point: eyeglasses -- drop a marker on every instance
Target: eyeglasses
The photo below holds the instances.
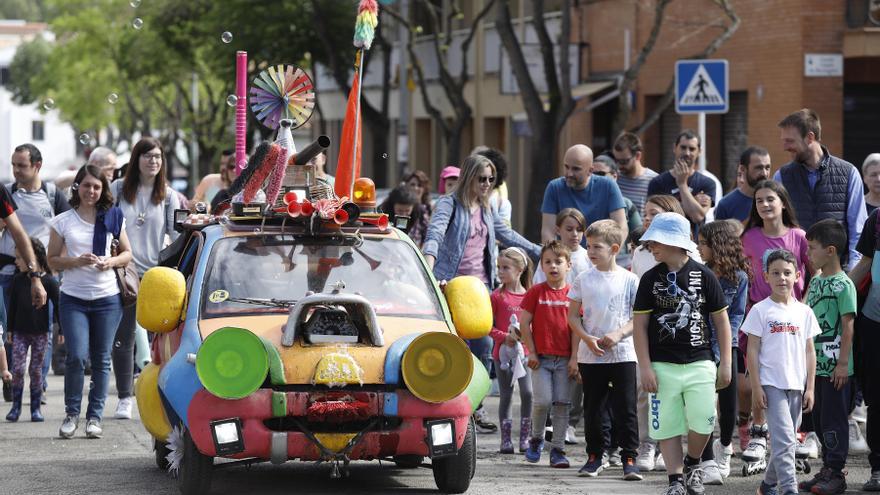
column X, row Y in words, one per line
column 150, row 156
column 623, row 161
column 487, row 180
column 600, row 172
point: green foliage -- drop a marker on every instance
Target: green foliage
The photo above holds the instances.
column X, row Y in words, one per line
column 30, row 59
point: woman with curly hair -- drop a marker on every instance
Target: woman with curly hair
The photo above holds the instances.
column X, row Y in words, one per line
column 721, row 249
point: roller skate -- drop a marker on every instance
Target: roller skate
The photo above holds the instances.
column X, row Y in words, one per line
column 802, row 457
column 755, row 456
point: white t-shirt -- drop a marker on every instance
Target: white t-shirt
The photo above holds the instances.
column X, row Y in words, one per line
column 607, row 300
column 784, row 330
column 86, row 282
column 580, row 263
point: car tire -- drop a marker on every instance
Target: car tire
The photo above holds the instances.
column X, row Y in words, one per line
column 161, row 449
column 453, row 474
column 196, row 469
column 408, row 461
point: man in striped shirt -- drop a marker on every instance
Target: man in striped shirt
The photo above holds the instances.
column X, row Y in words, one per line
column 634, row 178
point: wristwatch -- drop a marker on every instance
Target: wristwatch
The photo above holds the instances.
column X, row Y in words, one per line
column 35, row 274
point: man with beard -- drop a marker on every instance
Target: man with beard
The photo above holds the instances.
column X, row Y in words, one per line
column 820, row 185
column 685, row 182
column 634, row 177
column 754, row 166
column 597, row 197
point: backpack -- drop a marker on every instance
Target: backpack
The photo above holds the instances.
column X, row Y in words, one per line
column 51, row 192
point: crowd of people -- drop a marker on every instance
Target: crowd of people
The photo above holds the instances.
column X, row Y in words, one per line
column 653, row 309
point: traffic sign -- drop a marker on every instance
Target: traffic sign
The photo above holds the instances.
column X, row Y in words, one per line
column 701, row 86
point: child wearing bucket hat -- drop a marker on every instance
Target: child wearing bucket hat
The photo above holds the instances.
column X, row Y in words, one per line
column 674, row 303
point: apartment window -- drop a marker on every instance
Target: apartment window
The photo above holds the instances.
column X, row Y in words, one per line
column 4, row 76
column 38, row 130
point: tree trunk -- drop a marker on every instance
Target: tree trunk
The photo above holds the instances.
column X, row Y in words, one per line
column 543, row 157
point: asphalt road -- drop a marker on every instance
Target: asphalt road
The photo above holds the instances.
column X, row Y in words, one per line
column 33, row 460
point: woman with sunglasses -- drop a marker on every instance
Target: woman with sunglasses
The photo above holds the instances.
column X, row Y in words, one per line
column 461, row 241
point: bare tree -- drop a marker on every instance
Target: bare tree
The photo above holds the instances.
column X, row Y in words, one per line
column 546, row 122
column 452, row 85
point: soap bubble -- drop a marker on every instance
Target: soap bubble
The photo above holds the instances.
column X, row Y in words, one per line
column 112, row 98
column 231, row 100
column 137, row 23
column 84, row 138
column 135, row 3
column 226, row 37
column 48, row 104
column 384, row 156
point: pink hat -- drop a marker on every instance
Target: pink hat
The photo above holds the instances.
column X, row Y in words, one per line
column 446, row 173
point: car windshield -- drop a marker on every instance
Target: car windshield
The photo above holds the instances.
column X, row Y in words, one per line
column 268, row 273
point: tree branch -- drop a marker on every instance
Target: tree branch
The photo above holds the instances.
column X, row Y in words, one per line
column 529, row 94
column 566, row 103
column 546, row 50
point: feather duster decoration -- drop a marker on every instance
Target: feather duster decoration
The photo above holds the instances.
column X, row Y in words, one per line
column 246, row 173
column 175, row 450
column 365, row 25
column 255, row 183
column 277, row 176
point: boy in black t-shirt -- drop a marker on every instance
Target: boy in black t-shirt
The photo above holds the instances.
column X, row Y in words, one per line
column 674, row 302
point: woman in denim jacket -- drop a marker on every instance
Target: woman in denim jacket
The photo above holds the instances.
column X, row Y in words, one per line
column 461, row 240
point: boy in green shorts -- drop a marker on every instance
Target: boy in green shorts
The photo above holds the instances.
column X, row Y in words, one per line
column 673, row 304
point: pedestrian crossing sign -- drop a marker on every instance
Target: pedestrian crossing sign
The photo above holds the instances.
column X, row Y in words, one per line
column 701, row 86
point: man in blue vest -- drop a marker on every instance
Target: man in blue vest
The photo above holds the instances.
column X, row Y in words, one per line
column 820, row 185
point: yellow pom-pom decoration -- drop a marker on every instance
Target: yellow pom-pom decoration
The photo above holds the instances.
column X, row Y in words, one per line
column 161, row 299
column 146, row 390
column 469, row 304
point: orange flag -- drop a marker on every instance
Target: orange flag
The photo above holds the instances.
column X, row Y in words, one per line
column 348, row 166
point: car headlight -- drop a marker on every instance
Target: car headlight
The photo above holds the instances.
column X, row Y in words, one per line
column 227, row 436
column 232, row 363
column 441, row 437
column 437, row 366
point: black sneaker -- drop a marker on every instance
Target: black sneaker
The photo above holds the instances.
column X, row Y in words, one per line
column 807, row 485
column 693, row 480
column 630, row 470
column 834, row 484
column 481, row 419
column 873, row 483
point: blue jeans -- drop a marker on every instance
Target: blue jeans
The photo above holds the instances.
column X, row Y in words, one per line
column 89, row 329
column 482, row 349
column 551, row 388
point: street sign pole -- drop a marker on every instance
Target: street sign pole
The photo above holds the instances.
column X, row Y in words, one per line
column 701, row 129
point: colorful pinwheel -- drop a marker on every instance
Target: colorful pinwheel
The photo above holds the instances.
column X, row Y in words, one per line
column 282, row 92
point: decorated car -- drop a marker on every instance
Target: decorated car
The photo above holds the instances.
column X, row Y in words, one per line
column 298, row 325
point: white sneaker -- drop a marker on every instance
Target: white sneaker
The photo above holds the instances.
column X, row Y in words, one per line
column 860, row 413
column 123, row 408
column 809, row 447
column 570, row 438
column 722, row 457
column 93, row 429
column 659, row 464
column 68, row 427
column 711, row 473
column 645, row 460
column 857, row 443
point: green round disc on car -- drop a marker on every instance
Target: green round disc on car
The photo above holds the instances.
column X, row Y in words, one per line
column 232, row 363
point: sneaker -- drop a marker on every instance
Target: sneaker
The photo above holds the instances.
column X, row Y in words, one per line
column 857, row 443
column 613, row 457
column 123, row 408
column 592, row 467
column 484, row 425
column 860, row 413
column 659, row 463
column 533, row 453
column 693, row 480
column 43, row 400
column 833, row 484
column 809, row 447
column 765, row 489
column 807, row 485
column 675, row 488
column 93, row 428
column 645, row 460
column 722, row 457
column 743, row 430
column 631, row 470
column 558, row 459
column 757, row 448
column 570, row 439
column 711, row 473
column 873, row 483
column 69, row 426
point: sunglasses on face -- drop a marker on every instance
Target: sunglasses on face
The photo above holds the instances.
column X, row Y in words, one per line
column 623, row 161
column 600, row 172
column 487, row 180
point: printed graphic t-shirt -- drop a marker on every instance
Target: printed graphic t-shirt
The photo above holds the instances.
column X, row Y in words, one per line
column 784, row 330
column 549, row 309
column 504, row 305
column 830, row 298
column 680, row 305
